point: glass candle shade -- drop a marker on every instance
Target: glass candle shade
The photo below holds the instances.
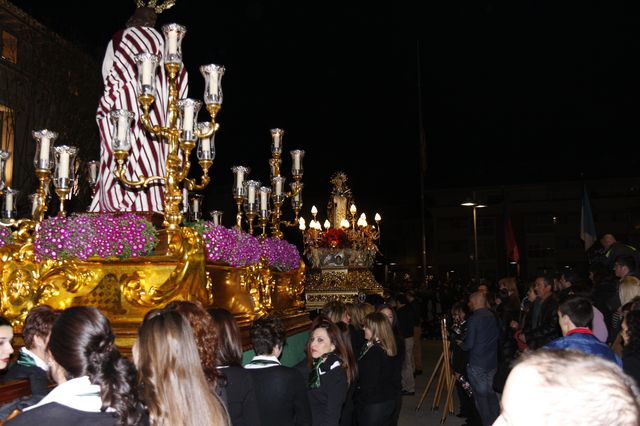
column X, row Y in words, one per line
column 188, row 111
column 277, row 187
column 239, row 174
column 216, row 217
column 206, row 145
column 274, row 167
column 92, row 172
column 34, row 203
column 44, row 148
column 276, row 141
column 264, row 194
column 4, row 155
column 9, row 204
column 195, row 207
column 121, row 129
column 173, row 35
column 212, row 74
column 65, row 158
column 296, row 195
column 251, row 195
column 296, row 162
column 147, row 64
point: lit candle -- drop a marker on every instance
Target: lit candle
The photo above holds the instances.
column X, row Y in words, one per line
column 277, row 137
column 314, row 210
column 239, row 178
column 264, row 200
column 8, row 199
column 206, row 144
column 173, row 42
column 147, row 67
column 278, row 186
column 353, row 209
column 296, row 160
column 302, row 225
column 123, row 127
column 377, row 217
column 327, row 224
column 213, row 84
column 187, row 117
column 63, row 165
column 344, row 223
column 44, row 148
column 195, row 204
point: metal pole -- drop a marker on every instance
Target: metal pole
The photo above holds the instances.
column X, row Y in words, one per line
column 475, row 244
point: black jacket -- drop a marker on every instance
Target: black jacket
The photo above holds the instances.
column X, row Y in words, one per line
column 327, row 401
column 241, row 397
column 54, row 414
column 546, row 328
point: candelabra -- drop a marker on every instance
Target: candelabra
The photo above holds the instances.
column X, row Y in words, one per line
column 268, row 206
column 179, row 131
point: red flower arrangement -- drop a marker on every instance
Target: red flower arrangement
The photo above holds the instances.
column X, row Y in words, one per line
column 335, row 238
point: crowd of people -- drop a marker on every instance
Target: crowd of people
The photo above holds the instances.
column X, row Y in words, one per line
column 569, row 344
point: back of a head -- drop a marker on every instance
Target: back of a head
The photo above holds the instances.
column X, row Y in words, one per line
column 626, row 260
column 229, row 339
column 83, row 344
column 142, row 17
column 381, row 332
column 267, row 333
column 628, row 289
column 38, row 322
column 174, row 385
column 335, row 310
column 578, row 309
column 563, row 387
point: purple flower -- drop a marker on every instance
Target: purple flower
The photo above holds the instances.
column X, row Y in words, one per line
column 280, row 254
column 5, row 237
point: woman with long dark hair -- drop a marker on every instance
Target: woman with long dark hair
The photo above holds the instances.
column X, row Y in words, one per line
column 630, row 334
column 330, row 372
column 96, row 384
column 241, row 397
column 174, row 387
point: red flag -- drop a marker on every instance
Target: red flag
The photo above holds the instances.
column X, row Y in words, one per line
column 510, row 240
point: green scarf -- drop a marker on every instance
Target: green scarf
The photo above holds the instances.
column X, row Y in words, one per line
column 314, row 375
column 26, row 360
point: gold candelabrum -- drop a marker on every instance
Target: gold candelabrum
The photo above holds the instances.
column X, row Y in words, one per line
column 180, row 130
column 266, row 203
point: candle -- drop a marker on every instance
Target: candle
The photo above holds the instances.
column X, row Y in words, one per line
column 302, row 225
column 296, row 160
column 34, row 204
column 353, row 209
column 146, row 71
column 377, row 217
column 213, row 84
column 344, row 223
column 278, row 186
column 239, row 178
column 196, row 204
column 314, row 210
column 93, row 171
column 122, row 127
column 277, row 137
column 251, row 195
column 187, row 117
column 264, row 200
column 327, row 224
column 63, row 165
column 206, row 144
column 44, row 148
column 8, row 199
column 173, row 42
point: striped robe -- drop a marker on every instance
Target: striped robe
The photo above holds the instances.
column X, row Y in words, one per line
column 148, row 155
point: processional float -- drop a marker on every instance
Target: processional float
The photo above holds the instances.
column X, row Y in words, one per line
column 123, row 264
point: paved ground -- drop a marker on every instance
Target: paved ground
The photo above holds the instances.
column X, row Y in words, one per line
column 426, row 415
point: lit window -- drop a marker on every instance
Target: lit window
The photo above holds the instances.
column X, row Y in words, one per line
column 9, row 47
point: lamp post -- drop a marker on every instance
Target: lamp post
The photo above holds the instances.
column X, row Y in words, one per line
column 475, row 205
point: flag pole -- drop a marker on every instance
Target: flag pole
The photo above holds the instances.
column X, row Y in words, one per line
column 423, row 165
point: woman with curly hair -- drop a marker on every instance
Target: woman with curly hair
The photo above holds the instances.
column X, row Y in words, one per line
column 171, row 378
column 96, row 384
column 206, row 337
column 630, row 334
column 241, row 396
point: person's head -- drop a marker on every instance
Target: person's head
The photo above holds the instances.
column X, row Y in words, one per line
column 173, row 383
column 204, row 333
column 630, row 332
column 607, row 241
column 569, row 278
column 510, row 285
column 565, row 387
column 268, row 336
column 543, row 286
column 6, row 336
column 388, row 312
column 142, row 17
column 377, row 329
column 483, row 288
column 229, row 339
column 575, row 312
column 477, row 300
column 599, row 272
column 37, row 329
column 336, row 311
column 623, row 265
column 628, row 289
column 82, row 343
column 459, row 311
column 326, row 337
column 531, row 293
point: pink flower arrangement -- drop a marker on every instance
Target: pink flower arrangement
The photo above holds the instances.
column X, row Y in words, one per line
column 5, row 237
column 280, row 254
column 102, row 235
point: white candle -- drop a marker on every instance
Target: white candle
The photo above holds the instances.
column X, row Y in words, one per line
column 278, row 187
column 251, row 194
column 63, row 165
column 187, row 122
column 173, row 42
column 123, row 127
column 264, row 199
column 44, row 148
column 327, row 225
column 296, row 161
column 146, row 71
column 196, row 205
column 302, row 224
column 277, row 139
column 213, row 84
column 206, row 144
column 314, row 210
column 8, row 199
column 93, row 171
column 239, row 178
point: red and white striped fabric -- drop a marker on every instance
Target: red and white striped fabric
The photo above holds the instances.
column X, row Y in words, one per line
column 148, row 155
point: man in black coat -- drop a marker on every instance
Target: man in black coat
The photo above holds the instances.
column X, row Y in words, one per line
column 546, row 327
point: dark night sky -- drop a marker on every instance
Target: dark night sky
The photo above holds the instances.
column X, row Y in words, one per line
column 511, row 91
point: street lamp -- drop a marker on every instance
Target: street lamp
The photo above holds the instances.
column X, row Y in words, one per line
column 475, row 205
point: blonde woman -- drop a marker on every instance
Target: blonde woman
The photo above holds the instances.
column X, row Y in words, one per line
column 173, row 384
column 375, row 396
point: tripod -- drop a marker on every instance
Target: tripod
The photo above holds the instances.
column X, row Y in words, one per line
column 446, row 379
